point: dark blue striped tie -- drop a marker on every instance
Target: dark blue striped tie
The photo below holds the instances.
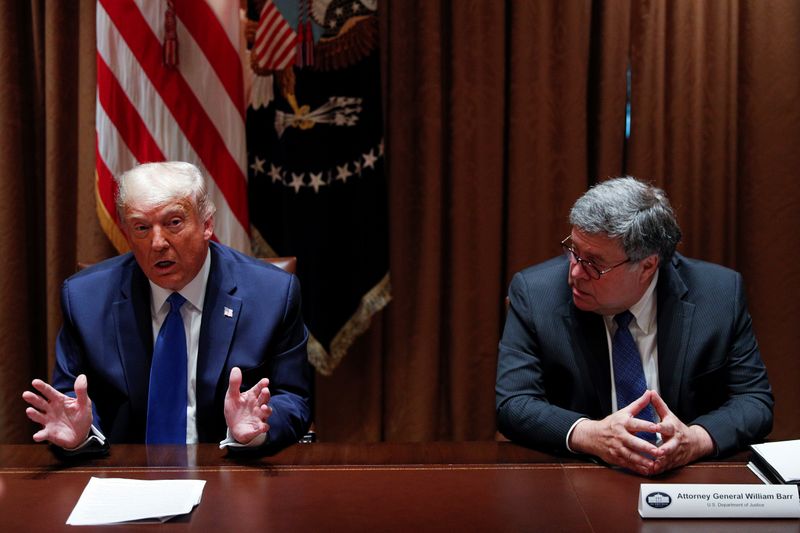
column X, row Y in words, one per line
column 166, row 403
column 628, row 372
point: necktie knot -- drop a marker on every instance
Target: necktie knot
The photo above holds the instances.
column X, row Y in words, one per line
column 175, row 301
column 623, row 319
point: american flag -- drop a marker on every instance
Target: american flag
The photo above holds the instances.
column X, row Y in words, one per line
column 275, row 44
column 170, row 87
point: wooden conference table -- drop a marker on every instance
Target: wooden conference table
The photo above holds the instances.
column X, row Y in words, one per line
column 466, row 486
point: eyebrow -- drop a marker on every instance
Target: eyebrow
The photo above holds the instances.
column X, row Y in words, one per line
column 594, row 258
column 168, row 212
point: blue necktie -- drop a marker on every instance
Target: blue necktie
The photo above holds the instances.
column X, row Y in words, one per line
column 166, row 404
column 628, row 372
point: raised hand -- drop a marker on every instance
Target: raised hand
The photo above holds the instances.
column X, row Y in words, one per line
column 65, row 420
column 246, row 413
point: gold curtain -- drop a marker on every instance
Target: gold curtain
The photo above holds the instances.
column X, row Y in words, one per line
column 47, row 75
column 716, row 122
column 499, row 114
column 486, row 111
column 768, row 199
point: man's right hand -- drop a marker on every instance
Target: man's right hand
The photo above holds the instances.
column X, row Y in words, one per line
column 65, row 421
column 613, row 439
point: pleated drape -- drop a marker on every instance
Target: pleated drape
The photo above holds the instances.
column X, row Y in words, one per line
column 716, row 122
column 47, row 77
column 498, row 115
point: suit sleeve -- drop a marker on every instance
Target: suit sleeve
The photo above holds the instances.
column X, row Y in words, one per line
column 69, row 362
column 746, row 414
column 290, row 376
column 68, row 366
column 68, row 359
column 524, row 414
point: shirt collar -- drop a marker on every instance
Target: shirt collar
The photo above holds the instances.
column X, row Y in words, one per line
column 194, row 291
column 644, row 311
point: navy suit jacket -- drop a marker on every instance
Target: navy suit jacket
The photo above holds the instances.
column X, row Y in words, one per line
column 107, row 335
column 553, row 365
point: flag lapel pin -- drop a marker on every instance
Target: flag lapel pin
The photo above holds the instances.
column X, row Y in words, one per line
column 228, row 312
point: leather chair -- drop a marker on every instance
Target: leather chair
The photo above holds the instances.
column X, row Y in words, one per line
column 289, row 264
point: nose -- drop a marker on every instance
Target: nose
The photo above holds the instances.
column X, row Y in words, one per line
column 576, row 270
column 159, row 242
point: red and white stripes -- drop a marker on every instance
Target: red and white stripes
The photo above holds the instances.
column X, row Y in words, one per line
column 191, row 111
column 275, row 42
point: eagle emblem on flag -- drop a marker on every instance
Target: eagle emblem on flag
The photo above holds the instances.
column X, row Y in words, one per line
column 316, row 179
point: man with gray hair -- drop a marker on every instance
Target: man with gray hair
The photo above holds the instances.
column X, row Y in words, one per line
column 624, row 350
column 182, row 340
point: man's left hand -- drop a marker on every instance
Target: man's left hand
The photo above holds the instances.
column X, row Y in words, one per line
column 681, row 444
column 246, row 413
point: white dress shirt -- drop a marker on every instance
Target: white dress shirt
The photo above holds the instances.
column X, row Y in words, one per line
column 192, row 315
column 644, row 328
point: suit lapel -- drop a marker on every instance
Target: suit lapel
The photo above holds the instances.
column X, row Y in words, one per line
column 674, row 326
column 220, row 316
column 134, row 336
column 589, row 343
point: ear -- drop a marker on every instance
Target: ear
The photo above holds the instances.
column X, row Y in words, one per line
column 123, row 226
column 208, row 228
column 649, row 268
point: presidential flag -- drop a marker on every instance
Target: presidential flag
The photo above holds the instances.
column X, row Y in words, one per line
column 170, row 86
column 317, row 186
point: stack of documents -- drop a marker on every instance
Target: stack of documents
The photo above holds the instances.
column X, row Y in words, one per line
column 777, row 462
column 114, row 500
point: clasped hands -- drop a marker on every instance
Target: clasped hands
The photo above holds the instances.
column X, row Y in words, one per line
column 613, row 439
column 66, row 421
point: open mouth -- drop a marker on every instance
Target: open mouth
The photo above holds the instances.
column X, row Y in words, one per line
column 164, row 264
column 577, row 292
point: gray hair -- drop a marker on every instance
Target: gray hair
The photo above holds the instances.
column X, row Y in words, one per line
column 635, row 212
column 153, row 184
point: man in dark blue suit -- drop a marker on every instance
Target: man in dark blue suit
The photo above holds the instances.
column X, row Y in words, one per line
column 627, row 351
column 239, row 324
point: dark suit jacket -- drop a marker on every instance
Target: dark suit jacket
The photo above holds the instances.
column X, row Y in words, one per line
column 553, row 365
column 107, row 335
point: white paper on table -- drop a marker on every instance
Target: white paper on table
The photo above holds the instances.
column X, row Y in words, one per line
column 783, row 457
column 759, row 474
column 114, row 500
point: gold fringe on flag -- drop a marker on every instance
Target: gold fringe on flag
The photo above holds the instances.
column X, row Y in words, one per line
column 373, row 301
column 107, row 223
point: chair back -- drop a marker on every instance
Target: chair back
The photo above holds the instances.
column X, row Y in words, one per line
column 289, row 264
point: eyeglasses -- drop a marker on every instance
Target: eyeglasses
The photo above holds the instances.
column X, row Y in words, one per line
column 592, row 270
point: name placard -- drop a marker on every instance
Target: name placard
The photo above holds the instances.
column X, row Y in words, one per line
column 678, row 500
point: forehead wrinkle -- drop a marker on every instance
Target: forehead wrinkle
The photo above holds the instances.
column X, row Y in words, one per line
column 593, row 256
column 156, row 212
